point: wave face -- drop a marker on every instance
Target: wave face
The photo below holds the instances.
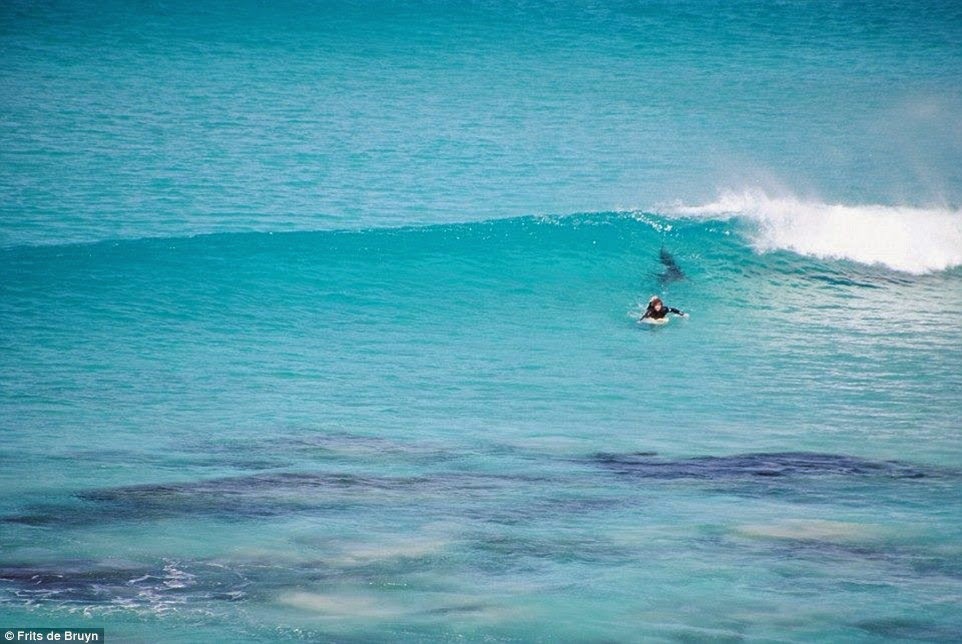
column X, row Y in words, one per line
column 913, row 240
column 495, row 321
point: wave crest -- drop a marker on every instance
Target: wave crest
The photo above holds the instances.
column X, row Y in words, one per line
column 911, row 240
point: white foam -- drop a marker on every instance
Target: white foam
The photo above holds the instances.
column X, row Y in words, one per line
column 912, row 240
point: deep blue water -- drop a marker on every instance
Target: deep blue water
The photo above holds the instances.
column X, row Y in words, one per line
column 318, row 321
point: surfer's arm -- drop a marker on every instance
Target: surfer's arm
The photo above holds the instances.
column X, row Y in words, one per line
column 674, row 310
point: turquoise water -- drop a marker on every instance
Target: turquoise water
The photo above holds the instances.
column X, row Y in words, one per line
column 318, row 321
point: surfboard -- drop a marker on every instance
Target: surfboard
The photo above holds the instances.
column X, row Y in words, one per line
column 654, row 321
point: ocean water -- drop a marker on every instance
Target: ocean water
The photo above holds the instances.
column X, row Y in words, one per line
column 318, row 320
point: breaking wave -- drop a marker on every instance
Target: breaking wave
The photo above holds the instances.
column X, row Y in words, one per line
column 911, row 240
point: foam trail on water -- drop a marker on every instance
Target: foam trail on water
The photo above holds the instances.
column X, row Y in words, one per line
column 912, row 240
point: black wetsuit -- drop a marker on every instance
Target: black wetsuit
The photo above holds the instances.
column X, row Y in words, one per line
column 657, row 315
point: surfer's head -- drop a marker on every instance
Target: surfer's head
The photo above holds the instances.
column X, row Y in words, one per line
column 655, row 302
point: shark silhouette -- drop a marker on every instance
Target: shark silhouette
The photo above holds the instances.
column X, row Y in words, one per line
column 672, row 272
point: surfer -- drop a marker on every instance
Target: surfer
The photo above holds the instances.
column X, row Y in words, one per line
column 657, row 310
